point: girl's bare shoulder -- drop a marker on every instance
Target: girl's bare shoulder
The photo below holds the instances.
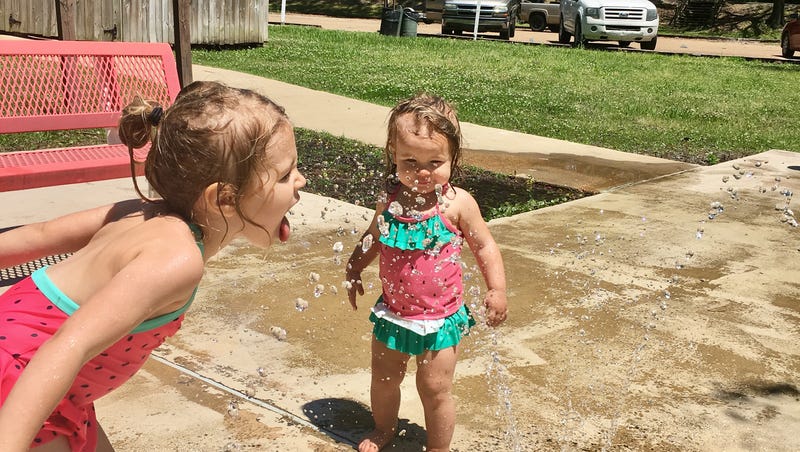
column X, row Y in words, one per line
column 458, row 197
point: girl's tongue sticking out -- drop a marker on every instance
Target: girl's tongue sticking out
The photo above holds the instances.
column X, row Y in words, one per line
column 284, row 231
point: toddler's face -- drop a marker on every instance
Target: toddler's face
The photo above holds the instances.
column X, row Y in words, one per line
column 422, row 156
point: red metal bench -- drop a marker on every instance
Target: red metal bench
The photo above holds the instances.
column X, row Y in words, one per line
column 65, row 85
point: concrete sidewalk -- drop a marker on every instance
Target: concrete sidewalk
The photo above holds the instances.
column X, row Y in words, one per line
column 548, row 160
column 660, row 314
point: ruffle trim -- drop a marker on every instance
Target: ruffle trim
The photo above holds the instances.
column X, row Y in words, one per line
column 403, row 340
column 427, row 234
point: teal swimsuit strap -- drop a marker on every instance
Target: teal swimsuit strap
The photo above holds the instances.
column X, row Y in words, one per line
column 68, row 306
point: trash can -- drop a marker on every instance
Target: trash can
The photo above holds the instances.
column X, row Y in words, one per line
column 390, row 21
column 408, row 24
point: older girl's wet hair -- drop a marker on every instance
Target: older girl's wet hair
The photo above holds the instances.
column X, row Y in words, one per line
column 212, row 134
column 434, row 112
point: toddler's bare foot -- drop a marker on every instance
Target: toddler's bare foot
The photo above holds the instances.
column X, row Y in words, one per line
column 375, row 441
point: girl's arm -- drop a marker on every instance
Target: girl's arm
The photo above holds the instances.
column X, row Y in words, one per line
column 487, row 254
column 361, row 258
column 154, row 280
column 62, row 235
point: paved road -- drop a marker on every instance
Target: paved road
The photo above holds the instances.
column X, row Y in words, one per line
column 697, row 46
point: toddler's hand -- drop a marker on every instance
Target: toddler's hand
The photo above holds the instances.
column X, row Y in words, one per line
column 496, row 309
column 354, row 286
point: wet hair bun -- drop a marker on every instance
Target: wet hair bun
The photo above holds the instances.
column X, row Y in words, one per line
column 136, row 122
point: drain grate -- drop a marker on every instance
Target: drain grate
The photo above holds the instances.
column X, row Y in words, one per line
column 11, row 275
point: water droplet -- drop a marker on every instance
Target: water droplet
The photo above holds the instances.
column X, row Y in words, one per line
column 366, row 243
column 383, row 227
column 395, row 209
column 278, row 333
column 319, row 289
column 313, row 277
column 233, row 409
column 261, row 372
column 232, row 447
column 300, row 304
column 338, row 247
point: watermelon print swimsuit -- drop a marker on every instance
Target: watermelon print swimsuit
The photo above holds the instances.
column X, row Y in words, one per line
column 421, row 307
column 31, row 312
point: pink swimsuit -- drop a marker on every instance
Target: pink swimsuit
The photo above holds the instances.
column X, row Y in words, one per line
column 420, row 265
column 31, row 311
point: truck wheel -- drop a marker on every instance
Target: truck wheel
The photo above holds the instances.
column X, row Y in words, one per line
column 649, row 45
column 624, row 44
column 579, row 40
column 563, row 35
column 538, row 22
column 509, row 31
column 553, row 28
column 512, row 28
column 786, row 49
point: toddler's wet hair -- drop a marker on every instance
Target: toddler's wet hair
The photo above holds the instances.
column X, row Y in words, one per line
column 434, row 112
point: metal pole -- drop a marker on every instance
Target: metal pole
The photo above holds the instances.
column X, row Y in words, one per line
column 283, row 12
column 477, row 18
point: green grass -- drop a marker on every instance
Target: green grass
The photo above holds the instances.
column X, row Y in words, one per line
column 699, row 110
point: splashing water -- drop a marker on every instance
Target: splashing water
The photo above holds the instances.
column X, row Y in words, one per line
column 278, row 333
column 383, row 227
column 497, row 374
column 300, row 304
column 366, row 243
column 395, row 209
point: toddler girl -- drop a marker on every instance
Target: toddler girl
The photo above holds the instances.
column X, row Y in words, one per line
column 418, row 231
column 224, row 163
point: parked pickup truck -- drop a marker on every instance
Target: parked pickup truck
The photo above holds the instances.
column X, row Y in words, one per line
column 623, row 21
column 499, row 16
column 541, row 14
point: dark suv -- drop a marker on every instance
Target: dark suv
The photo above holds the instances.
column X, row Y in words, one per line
column 499, row 16
column 790, row 37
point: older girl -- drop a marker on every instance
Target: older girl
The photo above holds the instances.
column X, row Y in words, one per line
column 224, row 164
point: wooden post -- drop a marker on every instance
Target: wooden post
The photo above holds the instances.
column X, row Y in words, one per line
column 65, row 19
column 181, row 13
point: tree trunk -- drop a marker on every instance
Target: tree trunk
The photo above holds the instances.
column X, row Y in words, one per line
column 776, row 18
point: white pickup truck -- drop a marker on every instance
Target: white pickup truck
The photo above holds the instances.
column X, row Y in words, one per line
column 623, row 21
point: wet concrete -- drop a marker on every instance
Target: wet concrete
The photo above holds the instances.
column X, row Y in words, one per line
column 582, row 172
column 636, row 323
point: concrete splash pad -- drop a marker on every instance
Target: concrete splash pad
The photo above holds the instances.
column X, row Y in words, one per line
column 636, row 323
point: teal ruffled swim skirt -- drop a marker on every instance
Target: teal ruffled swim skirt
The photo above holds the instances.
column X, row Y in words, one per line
column 396, row 337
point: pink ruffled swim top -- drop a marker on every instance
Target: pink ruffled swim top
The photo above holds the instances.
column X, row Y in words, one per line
column 420, row 265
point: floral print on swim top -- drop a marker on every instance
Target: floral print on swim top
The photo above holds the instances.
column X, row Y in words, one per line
column 420, row 264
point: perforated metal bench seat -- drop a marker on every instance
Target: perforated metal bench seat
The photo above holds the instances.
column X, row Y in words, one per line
column 68, row 85
column 49, row 167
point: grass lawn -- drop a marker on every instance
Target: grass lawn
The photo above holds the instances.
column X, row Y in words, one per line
column 698, row 110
